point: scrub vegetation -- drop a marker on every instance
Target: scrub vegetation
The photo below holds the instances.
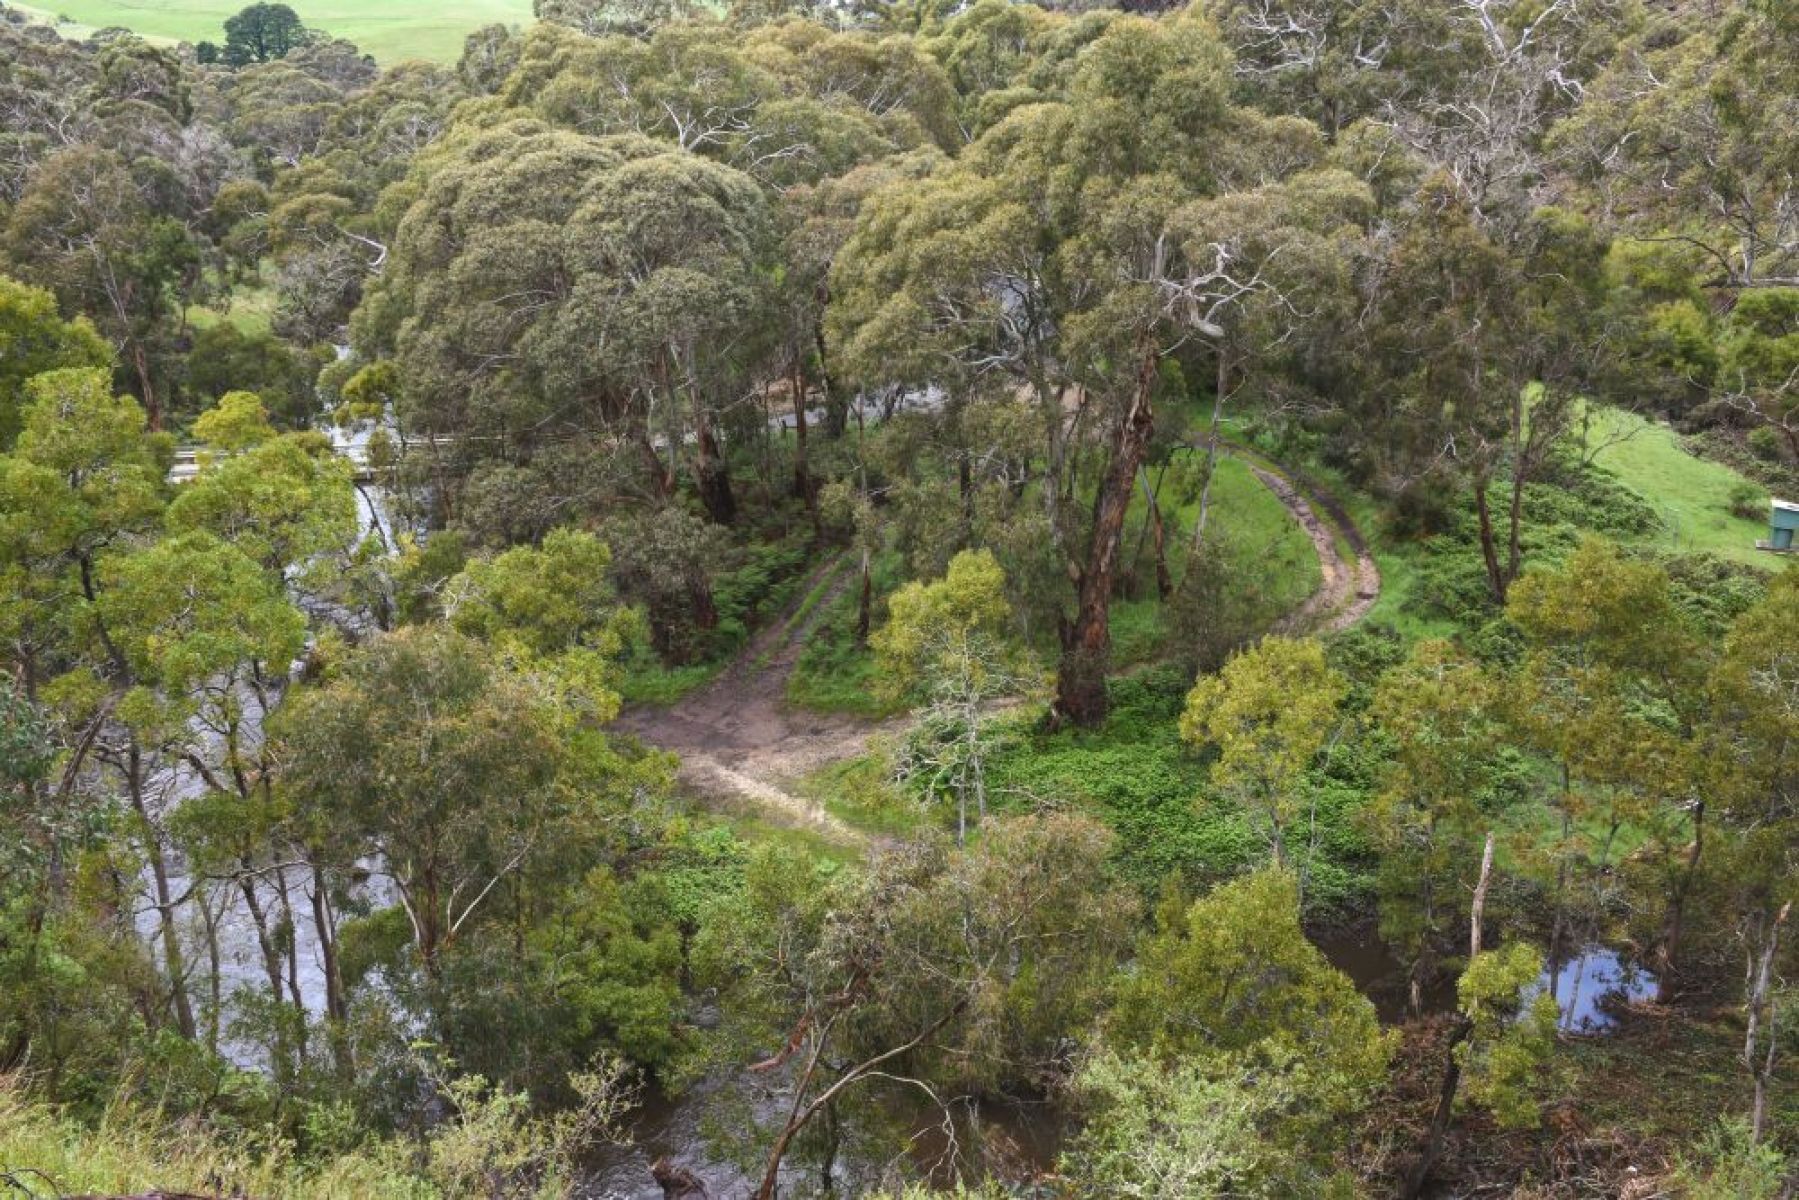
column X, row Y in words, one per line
column 935, row 599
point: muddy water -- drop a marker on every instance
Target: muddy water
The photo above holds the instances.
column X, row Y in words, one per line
column 1589, row 988
column 1378, row 973
column 1014, row 1142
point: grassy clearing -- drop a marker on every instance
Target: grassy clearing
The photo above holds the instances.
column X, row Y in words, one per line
column 251, row 309
column 836, row 675
column 646, row 680
column 824, row 852
column 1691, row 495
column 1647, row 490
column 391, row 30
column 1398, row 559
column 1244, row 512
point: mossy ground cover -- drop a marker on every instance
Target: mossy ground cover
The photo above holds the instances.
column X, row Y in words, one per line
column 1136, row 775
column 1664, row 1074
column 1622, row 1113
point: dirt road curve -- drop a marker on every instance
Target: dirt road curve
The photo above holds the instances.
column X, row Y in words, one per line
column 740, row 741
column 1350, row 581
column 737, row 736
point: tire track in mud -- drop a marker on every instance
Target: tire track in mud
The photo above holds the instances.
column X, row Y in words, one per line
column 1350, row 583
column 741, row 743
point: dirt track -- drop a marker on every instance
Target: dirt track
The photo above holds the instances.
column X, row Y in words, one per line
column 1350, row 583
column 739, row 739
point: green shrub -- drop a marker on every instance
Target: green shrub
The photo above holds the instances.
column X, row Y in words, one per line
column 1135, row 774
column 1727, row 1164
column 1713, row 592
column 836, row 673
column 1748, row 501
column 1764, row 443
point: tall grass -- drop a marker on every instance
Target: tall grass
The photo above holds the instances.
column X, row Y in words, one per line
column 43, row 1153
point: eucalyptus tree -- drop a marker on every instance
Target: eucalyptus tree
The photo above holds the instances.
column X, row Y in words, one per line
column 787, row 103
column 988, row 51
column 456, row 774
column 1229, row 984
column 550, row 611
column 598, row 18
column 162, row 635
column 1339, row 63
column 285, row 500
column 1443, row 711
column 45, row 83
column 171, row 653
column 1689, row 136
column 549, row 286
column 1610, row 689
column 1757, row 711
column 34, row 339
column 83, row 481
column 206, row 638
column 89, row 227
column 320, row 222
column 1078, row 243
column 951, row 644
column 1270, row 713
column 1474, row 349
column 929, row 968
column 1758, row 360
column 670, row 245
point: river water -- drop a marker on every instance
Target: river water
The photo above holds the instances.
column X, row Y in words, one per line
column 1016, row 1142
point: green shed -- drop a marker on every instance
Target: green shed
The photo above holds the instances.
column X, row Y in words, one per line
column 1783, row 520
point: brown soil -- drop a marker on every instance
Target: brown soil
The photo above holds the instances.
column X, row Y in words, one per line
column 739, row 739
column 1350, row 585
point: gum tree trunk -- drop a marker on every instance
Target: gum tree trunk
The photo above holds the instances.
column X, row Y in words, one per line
column 1087, row 640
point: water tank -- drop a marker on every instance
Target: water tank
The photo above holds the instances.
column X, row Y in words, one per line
column 1783, row 520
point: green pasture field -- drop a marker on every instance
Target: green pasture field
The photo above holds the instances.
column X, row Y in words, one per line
column 391, row 30
column 1691, row 494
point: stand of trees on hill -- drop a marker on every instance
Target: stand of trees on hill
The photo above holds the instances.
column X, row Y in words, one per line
column 901, row 354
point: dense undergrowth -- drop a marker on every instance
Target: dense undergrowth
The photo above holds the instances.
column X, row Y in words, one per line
column 402, row 471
